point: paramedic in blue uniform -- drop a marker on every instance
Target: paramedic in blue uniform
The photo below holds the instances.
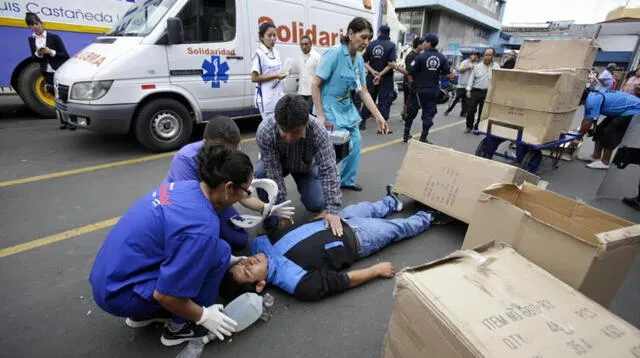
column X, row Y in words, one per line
column 220, row 130
column 306, row 262
column 426, row 69
column 341, row 70
column 618, row 107
column 164, row 260
column 267, row 71
column 380, row 58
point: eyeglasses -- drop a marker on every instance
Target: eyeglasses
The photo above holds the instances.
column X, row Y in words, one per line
column 246, row 190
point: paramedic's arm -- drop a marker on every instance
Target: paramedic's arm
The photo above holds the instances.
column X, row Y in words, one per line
column 317, row 99
column 371, row 106
column 253, row 203
column 182, row 307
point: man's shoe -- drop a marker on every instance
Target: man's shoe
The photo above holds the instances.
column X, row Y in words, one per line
column 463, row 114
column 162, row 316
column 354, row 187
column 63, row 126
column 467, row 130
column 446, row 113
column 632, row 202
column 72, row 128
column 438, row 218
column 406, row 138
column 393, row 195
column 189, row 332
column 425, row 141
column 587, row 158
column 598, row 164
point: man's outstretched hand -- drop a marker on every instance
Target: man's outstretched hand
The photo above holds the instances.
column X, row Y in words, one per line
column 385, row 269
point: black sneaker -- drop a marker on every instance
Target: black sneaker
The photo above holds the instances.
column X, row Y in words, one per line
column 138, row 322
column 189, row 332
column 632, row 202
column 394, row 196
column 438, row 218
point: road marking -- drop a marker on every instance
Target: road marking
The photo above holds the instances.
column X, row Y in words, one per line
column 93, row 168
column 70, row 234
column 73, row 233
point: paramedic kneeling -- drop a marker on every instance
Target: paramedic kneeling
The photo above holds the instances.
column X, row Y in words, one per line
column 619, row 108
column 165, row 260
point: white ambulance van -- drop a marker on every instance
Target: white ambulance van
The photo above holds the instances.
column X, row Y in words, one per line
column 169, row 64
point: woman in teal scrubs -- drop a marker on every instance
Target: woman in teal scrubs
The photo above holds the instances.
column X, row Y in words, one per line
column 341, row 70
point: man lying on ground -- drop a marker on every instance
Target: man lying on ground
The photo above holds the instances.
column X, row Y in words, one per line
column 306, row 261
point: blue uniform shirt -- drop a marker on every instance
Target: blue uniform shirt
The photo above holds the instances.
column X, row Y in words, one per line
column 341, row 75
column 167, row 241
column 427, row 68
column 610, row 104
column 184, row 165
column 379, row 53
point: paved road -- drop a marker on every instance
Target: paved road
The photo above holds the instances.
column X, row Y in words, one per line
column 47, row 309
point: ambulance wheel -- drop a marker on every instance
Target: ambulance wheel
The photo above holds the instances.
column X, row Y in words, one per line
column 481, row 149
column 163, row 124
column 31, row 88
column 531, row 161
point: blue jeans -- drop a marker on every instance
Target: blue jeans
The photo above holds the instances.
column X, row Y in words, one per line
column 309, row 187
column 373, row 232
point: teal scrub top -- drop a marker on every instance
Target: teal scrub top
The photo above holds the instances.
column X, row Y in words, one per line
column 339, row 74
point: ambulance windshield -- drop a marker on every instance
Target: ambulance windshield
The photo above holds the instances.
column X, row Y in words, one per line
column 140, row 19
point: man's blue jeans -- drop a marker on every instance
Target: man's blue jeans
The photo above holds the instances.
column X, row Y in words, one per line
column 373, row 232
column 309, row 187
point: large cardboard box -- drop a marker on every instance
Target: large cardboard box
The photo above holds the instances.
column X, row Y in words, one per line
column 539, row 127
column 556, row 54
column 451, row 181
column 585, row 247
column 498, row 304
column 557, row 91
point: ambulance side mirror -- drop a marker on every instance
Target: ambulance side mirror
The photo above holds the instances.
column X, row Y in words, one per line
column 175, row 31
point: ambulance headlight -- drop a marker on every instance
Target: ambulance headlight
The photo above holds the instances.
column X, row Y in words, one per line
column 88, row 91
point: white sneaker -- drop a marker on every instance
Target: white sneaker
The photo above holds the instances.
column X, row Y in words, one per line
column 587, row 158
column 598, row 164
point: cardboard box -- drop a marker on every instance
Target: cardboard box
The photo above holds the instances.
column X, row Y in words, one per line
column 587, row 248
column 451, row 181
column 504, row 307
column 554, row 54
column 557, row 91
column 539, row 127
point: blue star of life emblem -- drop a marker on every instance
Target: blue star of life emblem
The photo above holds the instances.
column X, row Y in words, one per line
column 215, row 71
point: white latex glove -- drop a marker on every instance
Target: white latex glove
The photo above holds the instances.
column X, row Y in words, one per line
column 280, row 210
column 235, row 259
column 217, row 322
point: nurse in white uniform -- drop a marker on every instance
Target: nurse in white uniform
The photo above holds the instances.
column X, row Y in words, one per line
column 267, row 71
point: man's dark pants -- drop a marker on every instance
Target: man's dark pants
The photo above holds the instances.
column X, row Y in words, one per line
column 461, row 95
column 382, row 93
column 427, row 100
column 476, row 103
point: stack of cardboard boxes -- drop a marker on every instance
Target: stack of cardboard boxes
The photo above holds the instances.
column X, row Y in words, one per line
column 543, row 92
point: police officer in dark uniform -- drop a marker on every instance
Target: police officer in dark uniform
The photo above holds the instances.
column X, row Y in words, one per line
column 426, row 69
column 380, row 58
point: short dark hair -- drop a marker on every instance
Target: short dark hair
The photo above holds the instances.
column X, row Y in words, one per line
column 262, row 29
column 306, row 37
column 230, row 289
column 220, row 164
column 416, row 42
column 477, row 53
column 222, row 130
column 32, row 19
column 356, row 25
column 291, row 112
column 489, row 48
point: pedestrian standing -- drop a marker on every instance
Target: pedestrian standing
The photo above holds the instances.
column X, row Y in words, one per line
column 464, row 72
column 341, row 71
column 478, row 86
column 510, row 63
column 48, row 50
column 308, row 64
column 267, row 71
column 426, row 69
column 380, row 57
column 408, row 89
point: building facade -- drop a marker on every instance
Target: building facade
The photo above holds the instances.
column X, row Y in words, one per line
column 460, row 24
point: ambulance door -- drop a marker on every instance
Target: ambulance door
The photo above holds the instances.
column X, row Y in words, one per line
column 210, row 64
